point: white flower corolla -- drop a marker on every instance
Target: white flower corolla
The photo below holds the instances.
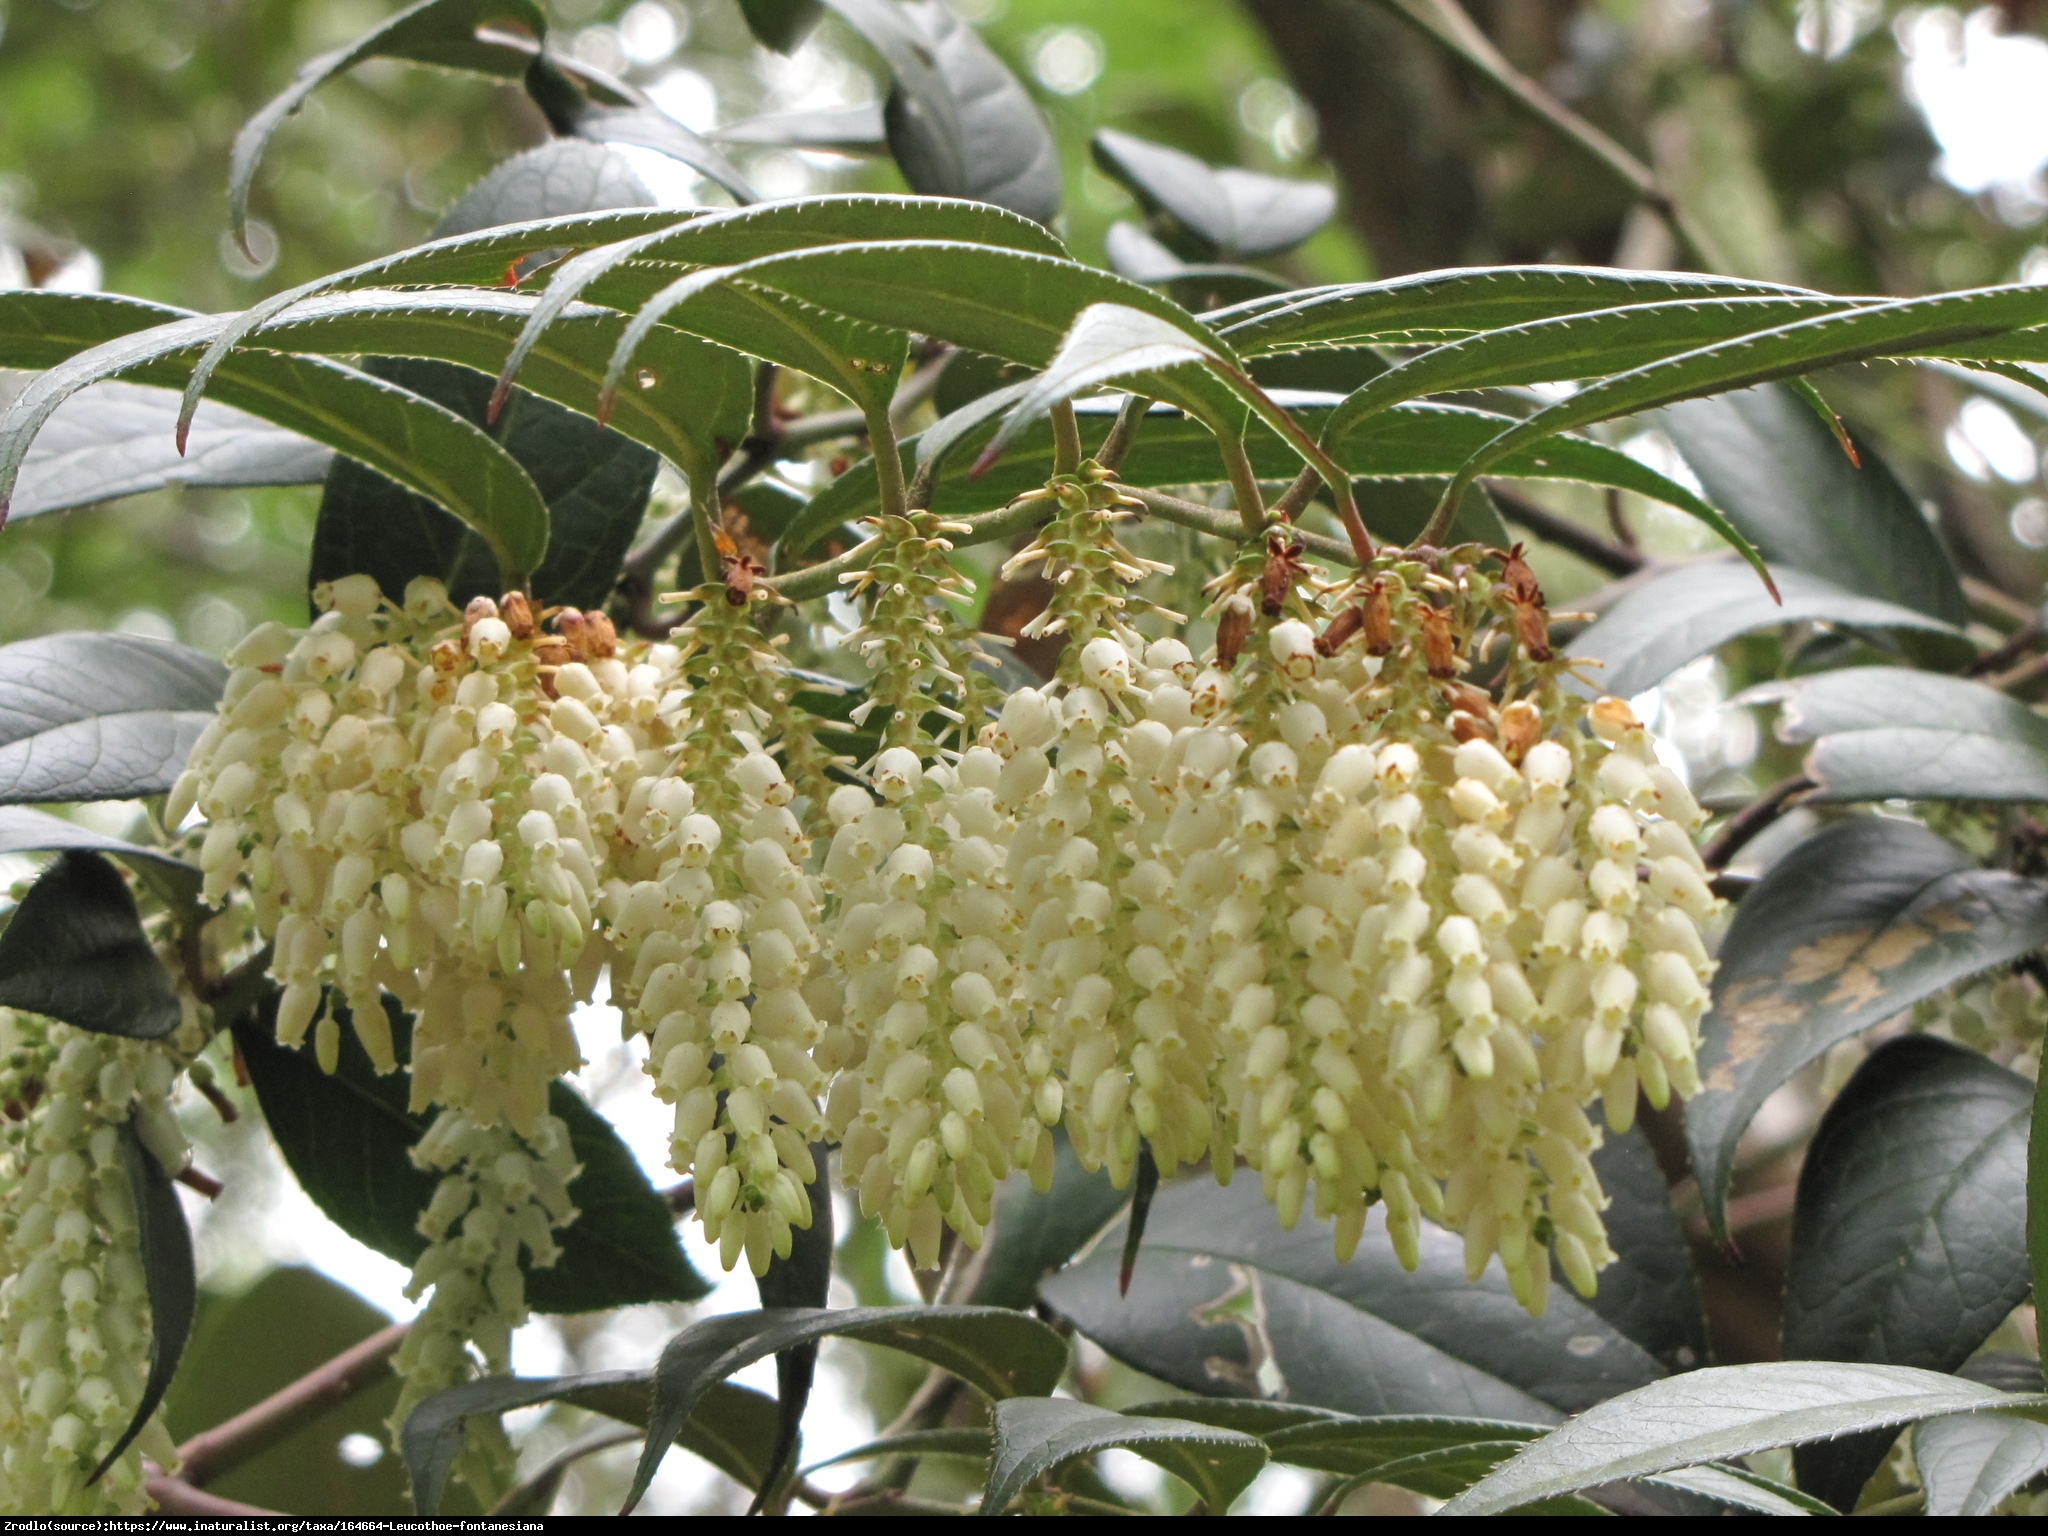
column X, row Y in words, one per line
column 74, row 1307
column 501, row 1198
column 1430, row 930
column 712, row 923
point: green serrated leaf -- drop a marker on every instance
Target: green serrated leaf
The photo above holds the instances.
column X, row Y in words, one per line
column 732, row 1427
column 346, row 1138
column 75, row 951
column 999, row 1353
column 438, row 32
column 1441, row 306
column 114, row 440
column 1904, row 328
column 1351, row 1446
column 1106, row 342
column 1724, row 1412
column 1767, row 460
column 1960, row 740
column 1971, row 1463
column 1576, row 346
column 1904, row 1251
column 1032, row 1234
column 89, row 716
column 1858, row 922
column 1678, row 615
column 170, row 1277
column 1034, row 1435
column 595, row 482
column 1224, row 1302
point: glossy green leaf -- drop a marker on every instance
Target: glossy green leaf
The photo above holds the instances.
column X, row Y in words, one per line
column 1719, row 1413
column 535, row 1493
column 638, row 122
column 1440, row 306
column 1903, row 328
column 1004, row 154
column 1858, row 922
column 1650, row 1293
column 1904, row 1250
column 927, row 129
column 1675, row 616
column 163, row 1244
column 804, row 1279
column 595, row 483
column 1972, row 1462
column 1034, row 1435
column 25, row 830
column 562, row 176
column 90, row 716
column 1574, row 346
column 1107, row 342
column 999, row 1353
column 781, row 24
column 732, row 1427
column 439, row 32
column 1224, row 1302
column 1767, row 460
column 75, row 951
column 1032, row 1235
column 1204, row 212
column 1350, row 1447
column 1890, row 732
column 1736, row 1485
column 113, row 440
column 422, row 446
column 346, row 1137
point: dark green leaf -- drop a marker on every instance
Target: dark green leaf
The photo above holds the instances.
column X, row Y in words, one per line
column 1226, row 1303
column 732, row 1427
column 1106, row 342
column 594, row 480
column 164, row 1245
column 439, row 32
column 1005, row 156
column 23, row 830
column 1778, row 472
column 781, row 24
column 1904, row 1250
column 113, row 440
column 75, row 951
column 1890, row 732
column 640, row 123
column 1904, row 328
column 1440, row 306
column 1201, row 212
column 804, row 1279
column 1253, row 1415
column 562, row 176
column 535, row 1494
column 1034, row 1435
column 1677, row 615
column 1650, row 1292
column 917, row 1442
column 347, row 1137
column 1971, row 1462
column 925, row 131
column 1035, row 1234
column 998, row 1352
column 1855, row 924
column 1349, row 1446
column 88, row 716
column 1720, row 1413
column 1143, row 1188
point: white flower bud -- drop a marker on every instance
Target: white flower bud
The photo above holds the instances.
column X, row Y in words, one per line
column 1293, row 646
column 1106, row 664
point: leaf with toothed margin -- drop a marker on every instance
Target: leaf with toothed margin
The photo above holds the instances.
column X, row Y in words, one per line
column 1971, row 1463
column 998, row 1352
column 1724, row 1412
column 1904, row 1250
column 164, row 1245
column 732, row 1427
column 1860, row 921
column 75, row 951
column 92, row 716
column 1034, row 1435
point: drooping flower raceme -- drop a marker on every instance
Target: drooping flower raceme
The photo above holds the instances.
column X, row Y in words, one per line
column 74, row 1306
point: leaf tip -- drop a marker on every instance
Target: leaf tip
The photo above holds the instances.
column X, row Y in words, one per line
column 985, row 461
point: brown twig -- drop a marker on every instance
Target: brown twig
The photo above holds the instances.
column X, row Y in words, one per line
column 219, row 1450
column 2026, row 672
column 1124, row 432
column 2016, row 645
column 888, row 1501
column 1746, row 823
column 1985, row 595
column 175, row 1496
column 1617, row 520
column 205, row 1183
column 1610, row 557
column 1226, row 525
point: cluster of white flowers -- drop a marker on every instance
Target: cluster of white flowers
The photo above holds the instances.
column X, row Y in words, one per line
column 713, row 921
column 74, row 1305
column 500, row 1192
